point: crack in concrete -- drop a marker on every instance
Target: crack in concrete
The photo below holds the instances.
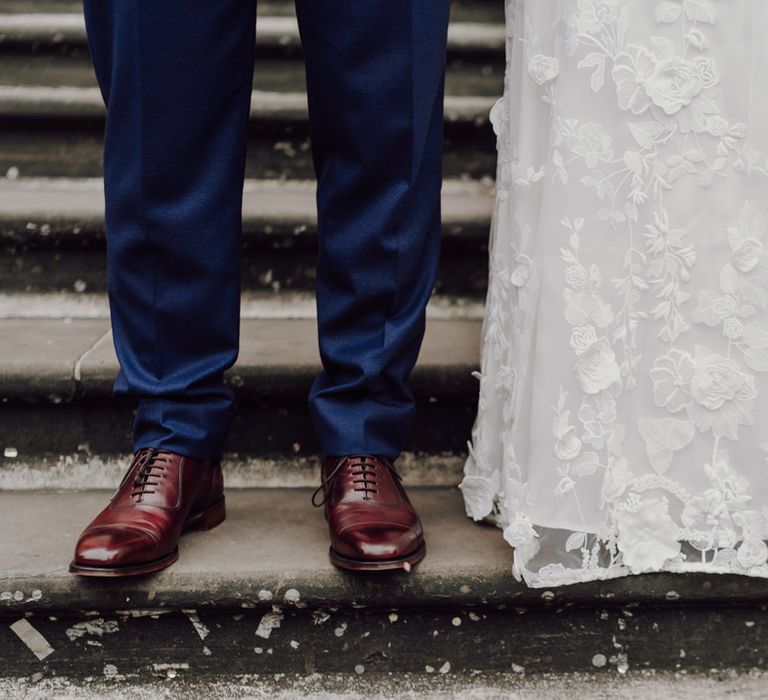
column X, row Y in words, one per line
column 77, row 368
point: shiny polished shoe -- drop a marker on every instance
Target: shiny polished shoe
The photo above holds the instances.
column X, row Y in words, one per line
column 372, row 523
column 162, row 495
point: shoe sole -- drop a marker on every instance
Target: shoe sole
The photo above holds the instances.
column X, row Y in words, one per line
column 206, row 520
column 405, row 562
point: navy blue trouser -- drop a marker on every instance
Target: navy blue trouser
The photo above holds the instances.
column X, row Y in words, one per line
column 176, row 78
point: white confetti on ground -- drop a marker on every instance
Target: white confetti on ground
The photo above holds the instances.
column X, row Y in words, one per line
column 35, row 641
column 268, row 622
column 154, row 613
column 622, row 665
column 319, row 617
column 166, row 667
column 96, row 628
column 200, row 628
column 292, row 596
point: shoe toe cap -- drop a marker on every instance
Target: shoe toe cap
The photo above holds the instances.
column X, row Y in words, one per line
column 110, row 547
column 380, row 541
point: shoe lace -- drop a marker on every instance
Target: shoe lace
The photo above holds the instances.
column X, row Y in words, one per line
column 149, row 466
column 364, row 467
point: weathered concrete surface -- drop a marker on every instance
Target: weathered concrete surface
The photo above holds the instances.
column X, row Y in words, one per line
column 273, row 540
column 133, row 644
column 52, row 230
column 474, row 10
column 83, row 471
column 278, row 32
column 289, row 636
column 271, row 379
column 257, row 595
column 279, row 150
column 406, row 686
column 470, row 75
column 38, row 357
column 35, row 102
column 254, row 306
column 281, row 356
column 44, row 357
column 269, row 426
column 67, row 204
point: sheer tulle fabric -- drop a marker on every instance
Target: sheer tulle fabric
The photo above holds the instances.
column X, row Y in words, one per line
column 623, row 416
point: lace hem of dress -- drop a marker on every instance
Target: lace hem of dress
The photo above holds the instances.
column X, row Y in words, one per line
column 594, row 557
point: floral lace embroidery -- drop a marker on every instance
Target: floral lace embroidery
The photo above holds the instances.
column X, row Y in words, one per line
column 668, row 353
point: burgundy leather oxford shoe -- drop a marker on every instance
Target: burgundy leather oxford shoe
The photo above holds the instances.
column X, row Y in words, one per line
column 162, row 495
column 372, row 523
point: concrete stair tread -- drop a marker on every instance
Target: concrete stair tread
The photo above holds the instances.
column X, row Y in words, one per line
column 257, row 595
column 28, row 204
column 274, row 541
column 276, row 31
column 476, row 10
column 86, row 103
column 59, row 359
column 268, row 7
column 53, row 239
column 255, row 305
column 473, row 685
column 277, row 150
column 482, row 76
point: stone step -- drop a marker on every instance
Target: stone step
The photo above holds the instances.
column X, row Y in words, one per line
column 42, row 30
column 51, row 115
column 39, row 208
column 83, row 470
column 171, row 680
column 254, row 306
column 85, row 103
column 56, row 378
column 52, row 236
column 461, row 10
column 473, row 76
column 277, row 150
column 258, row 596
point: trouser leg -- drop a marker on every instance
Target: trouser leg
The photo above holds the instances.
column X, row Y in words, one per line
column 375, row 74
column 176, row 79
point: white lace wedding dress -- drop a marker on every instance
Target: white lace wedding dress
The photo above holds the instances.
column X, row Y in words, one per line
column 623, row 415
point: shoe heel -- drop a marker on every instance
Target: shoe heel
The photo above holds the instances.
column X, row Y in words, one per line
column 211, row 517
